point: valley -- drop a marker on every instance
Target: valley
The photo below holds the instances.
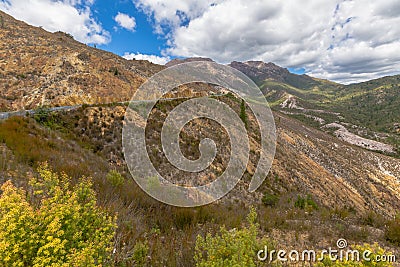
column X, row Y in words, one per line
column 336, row 171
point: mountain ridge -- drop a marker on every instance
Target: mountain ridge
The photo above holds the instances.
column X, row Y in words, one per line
column 53, row 69
column 38, row 68
column 326, row 181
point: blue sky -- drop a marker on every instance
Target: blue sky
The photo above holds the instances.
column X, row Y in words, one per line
column 341, row 40
column 142, row 40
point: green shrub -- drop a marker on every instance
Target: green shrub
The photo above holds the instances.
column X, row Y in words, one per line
column 392, row 233
column 114, row 70
column 48, row 118
column 115, row 178
column 243, row 114
column 305, row 203
column 269, row 200
column 340, row 212
column 140, row 253
column 41, row 114
column 58, row 225
column 229, row 248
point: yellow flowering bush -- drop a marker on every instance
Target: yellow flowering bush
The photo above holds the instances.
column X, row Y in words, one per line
column 234, row 248
column 57, row 225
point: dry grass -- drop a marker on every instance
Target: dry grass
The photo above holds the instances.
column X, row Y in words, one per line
column 169, row 231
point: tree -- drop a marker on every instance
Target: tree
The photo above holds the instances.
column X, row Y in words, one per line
column 56, row 225
column 243, row 114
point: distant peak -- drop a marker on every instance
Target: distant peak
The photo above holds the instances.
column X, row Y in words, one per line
column 177, row 61
column 259, row 70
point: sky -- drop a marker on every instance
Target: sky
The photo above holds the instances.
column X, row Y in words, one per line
column 345, row 41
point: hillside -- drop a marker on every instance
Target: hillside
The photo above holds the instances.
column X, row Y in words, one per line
column 334, row 173
column 351, row 192
column 365, row 114
column 45, row 69
column 38, row 68
column 307, row 160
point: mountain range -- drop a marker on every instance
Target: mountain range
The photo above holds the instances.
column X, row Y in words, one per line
column 337, row 144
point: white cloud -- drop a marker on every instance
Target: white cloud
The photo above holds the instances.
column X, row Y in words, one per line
column 168, row 13
column 125, row 21
column 343, row 40
column 71, row 16
column 152, row 58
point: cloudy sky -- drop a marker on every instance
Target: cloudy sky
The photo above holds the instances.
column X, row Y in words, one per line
column 345, row 41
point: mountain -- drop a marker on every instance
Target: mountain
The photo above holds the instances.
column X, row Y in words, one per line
column 260, row 71
column 40, row 68
column 177, row 61
column 335, row 172
column 278, row 84
column 375, row 104
column 365, row 114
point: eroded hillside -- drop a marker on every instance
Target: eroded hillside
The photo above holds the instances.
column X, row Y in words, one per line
column 38, row 68
column 307, row 160
column 320, row 186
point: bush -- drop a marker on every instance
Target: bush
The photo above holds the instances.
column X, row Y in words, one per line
column 392, row 233
column 229, row 248
column 140, row 252
column 41, row 115
column 183, row 218
column 115, row 178
column 46, row 117
column 56, row 225
column 269, row 200
column 305, row 203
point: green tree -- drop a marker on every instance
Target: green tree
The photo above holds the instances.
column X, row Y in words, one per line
column 243, row 114
column 57, row 225
column 305, row 203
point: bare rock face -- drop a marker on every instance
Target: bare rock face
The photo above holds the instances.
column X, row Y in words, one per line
column 259, row 71
column 336, row 173
column 41, row 68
